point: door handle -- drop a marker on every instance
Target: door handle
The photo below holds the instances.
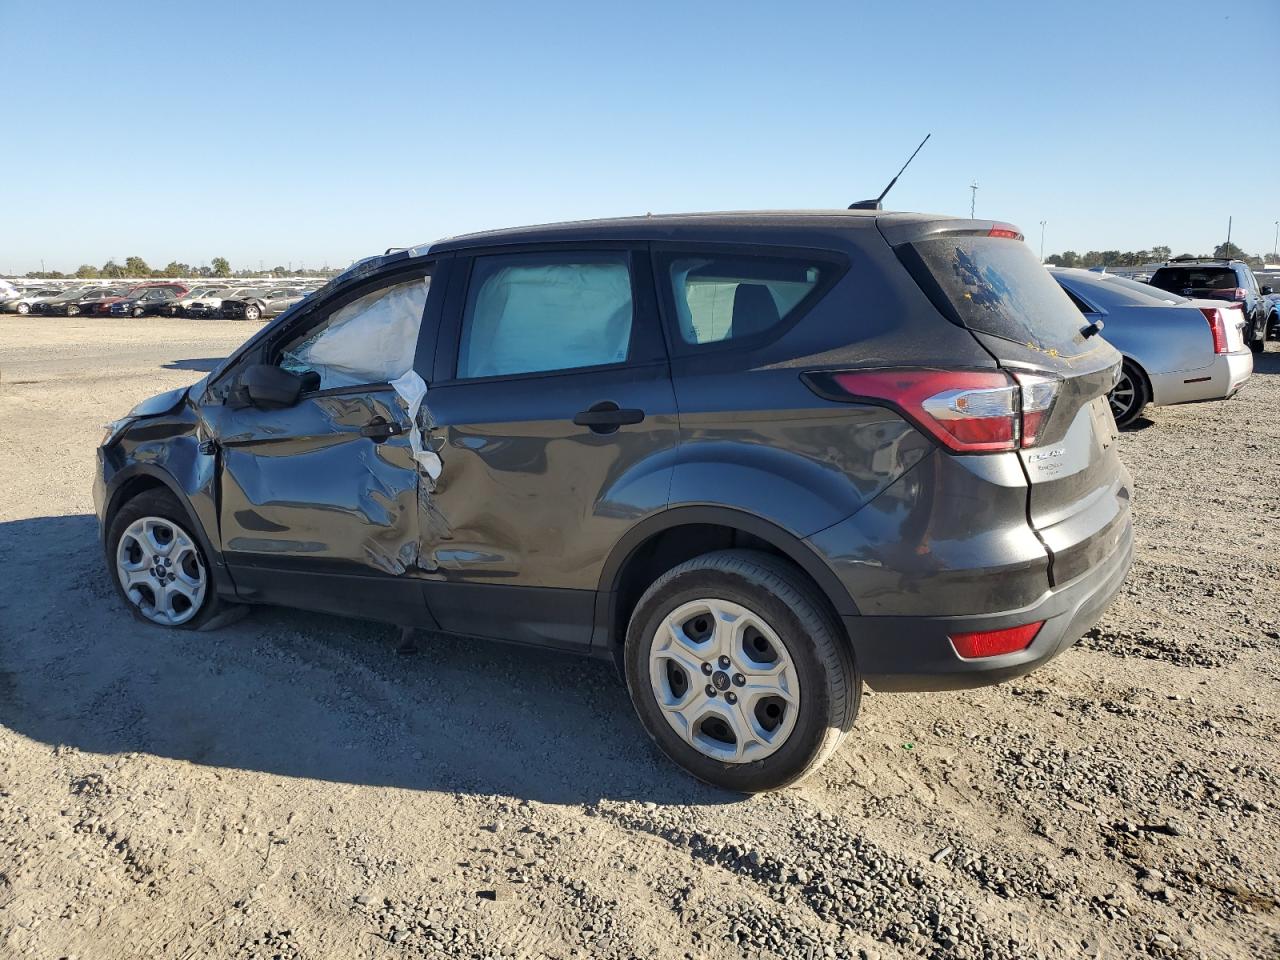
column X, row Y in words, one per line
column 379, row 429
column 607, row 416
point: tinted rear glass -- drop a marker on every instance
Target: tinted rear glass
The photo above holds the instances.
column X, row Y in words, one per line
column 998, row 287
column 724, row 297
column 1178, row 279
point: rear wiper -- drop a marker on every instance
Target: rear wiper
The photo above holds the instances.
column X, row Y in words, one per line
column 1093, row 328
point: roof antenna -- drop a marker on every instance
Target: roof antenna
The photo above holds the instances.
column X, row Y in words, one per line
column 875, row 204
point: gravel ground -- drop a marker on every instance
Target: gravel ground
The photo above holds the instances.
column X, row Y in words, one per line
column 290, row 787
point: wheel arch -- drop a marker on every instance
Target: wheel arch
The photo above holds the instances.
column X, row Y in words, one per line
column 664, row 540
column 1146, row 377
column 138, row 479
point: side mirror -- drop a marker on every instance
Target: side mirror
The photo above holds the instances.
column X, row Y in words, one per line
column 268, row 387
column 1268, row 290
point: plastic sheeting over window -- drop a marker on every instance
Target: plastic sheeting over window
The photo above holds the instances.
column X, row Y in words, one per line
column 533, row 312
column 370, row 340
column 373, row 340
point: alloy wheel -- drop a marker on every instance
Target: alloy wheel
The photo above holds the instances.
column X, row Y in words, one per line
column 160, row 571
column 1123, row 396
column 724, row 680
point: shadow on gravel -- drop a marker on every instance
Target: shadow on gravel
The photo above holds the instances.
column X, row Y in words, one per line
column 201, row 364
column 1268, row 362
column 307, row 695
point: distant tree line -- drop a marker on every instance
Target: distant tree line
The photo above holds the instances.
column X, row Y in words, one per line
column 1136, row 258
column 135, row 267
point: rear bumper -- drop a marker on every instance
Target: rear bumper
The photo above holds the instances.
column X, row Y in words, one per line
column 1220, row 379
column 915, row 653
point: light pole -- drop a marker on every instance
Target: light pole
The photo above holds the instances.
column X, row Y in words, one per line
column 1042, row 223
column 973, row 197
column 1275, row 246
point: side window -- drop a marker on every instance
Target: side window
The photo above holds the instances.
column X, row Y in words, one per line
column 534, row 312
column 720, row 298
column 370, row 340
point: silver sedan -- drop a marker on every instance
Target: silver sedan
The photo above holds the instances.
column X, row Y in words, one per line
column 1175, row 350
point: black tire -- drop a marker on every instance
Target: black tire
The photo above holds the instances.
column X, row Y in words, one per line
column 162, row 504
column 1130, row 395
column 777, row 593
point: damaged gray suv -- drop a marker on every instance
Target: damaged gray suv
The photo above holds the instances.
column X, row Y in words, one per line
column 755, row 459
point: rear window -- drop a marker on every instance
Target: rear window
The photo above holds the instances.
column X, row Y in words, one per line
column 1178, row 279
column 724, row 298
column 997, row 286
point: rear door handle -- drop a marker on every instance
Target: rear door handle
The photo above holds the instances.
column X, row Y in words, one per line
column 379, row 429
column 607, row 416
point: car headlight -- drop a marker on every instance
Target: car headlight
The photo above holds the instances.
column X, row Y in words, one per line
column 114, row 429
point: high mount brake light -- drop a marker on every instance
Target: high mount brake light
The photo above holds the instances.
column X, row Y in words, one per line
column 1218, row 326
column 967, row 411
column 1004, row 230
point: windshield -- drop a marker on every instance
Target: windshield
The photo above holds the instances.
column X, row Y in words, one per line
column 996, row 286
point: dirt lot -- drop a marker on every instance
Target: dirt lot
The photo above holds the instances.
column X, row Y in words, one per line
column 290, row 787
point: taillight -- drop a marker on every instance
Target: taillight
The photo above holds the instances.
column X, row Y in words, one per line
column 992, row 643
column 968, row 411
column 1238, row 293
column 1038, row 394
column 1219, row 327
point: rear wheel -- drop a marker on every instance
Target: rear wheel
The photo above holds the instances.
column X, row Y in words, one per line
column 157, row 564
column 1129, row 395
column 739, row 672
column 24, row 309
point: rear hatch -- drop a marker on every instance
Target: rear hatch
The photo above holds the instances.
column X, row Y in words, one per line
column 981, row 276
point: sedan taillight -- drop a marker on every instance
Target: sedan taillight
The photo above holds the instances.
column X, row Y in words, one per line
column 1218, row 326
column 967, row 411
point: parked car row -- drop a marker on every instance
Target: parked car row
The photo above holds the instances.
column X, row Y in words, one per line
column 1176, row 349
column 1215, row 279
column 171, row 299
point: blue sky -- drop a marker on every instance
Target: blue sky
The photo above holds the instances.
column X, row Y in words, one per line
column 314, row 132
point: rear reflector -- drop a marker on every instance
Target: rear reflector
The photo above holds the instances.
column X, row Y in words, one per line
column 1218, row 326
column 968, row 411
column 992, row 643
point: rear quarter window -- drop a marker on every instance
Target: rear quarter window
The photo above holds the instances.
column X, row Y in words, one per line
column 726, row 298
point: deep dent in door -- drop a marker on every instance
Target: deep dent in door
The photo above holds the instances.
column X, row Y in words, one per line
column 393, row 515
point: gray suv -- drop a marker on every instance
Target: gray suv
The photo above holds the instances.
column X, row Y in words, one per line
column 755, row 459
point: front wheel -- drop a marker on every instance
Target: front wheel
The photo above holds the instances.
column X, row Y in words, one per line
column 138, row 311
column 251, row 312
column 739, row 672
column 73, row 310
column 1129, row 395
column 157, row 564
